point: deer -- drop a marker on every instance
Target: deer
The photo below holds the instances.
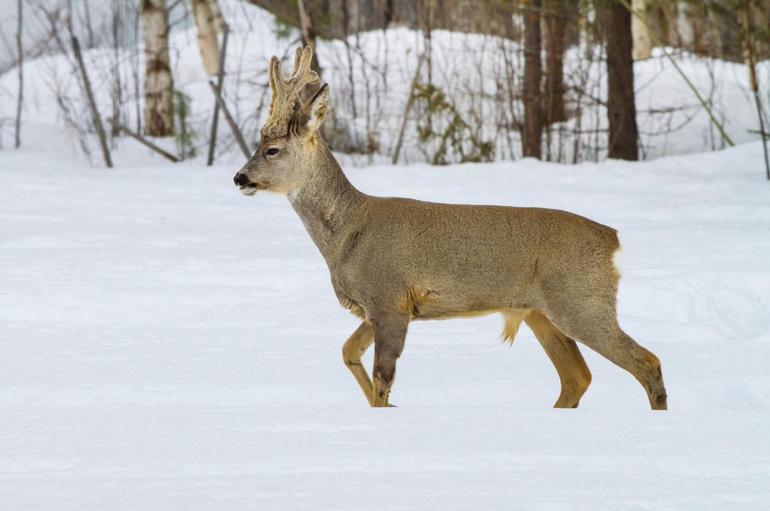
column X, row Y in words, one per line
column 395, row 260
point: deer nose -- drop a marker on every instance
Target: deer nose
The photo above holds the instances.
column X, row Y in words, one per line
column 241, row 179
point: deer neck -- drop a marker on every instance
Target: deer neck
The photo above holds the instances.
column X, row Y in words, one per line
column 328, row 204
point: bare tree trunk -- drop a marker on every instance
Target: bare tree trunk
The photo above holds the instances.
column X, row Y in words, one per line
column 336, row 135
column 308, row 33
column 207, row 35
column 20, row 64
column 642, row 39
column 158, row 84
column 555, row 40
column 661, row 43
column 117, row 87
column 351, row 80
column 670, row 11
column 532, row 135
column 574, row 27
column 134, row 58
column 749, row 52
column 621, row 103
column 89, row 26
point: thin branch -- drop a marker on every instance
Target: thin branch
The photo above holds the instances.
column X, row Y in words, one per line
column 230, row 121
column 97, row 120
column 20, row 49
column 407, row 109
column 120, row 127
column 220, row 82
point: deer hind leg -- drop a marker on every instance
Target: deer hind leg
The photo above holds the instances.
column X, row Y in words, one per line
column 566, row 358
column 597, row 327
column 352, row 351
column 389, row 337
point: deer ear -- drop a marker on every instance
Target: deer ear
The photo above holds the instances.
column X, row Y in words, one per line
column 316, row 108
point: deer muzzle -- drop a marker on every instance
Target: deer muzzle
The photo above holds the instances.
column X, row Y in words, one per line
column 244, row 184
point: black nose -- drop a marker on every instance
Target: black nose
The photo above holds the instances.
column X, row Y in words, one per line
column 241, row 179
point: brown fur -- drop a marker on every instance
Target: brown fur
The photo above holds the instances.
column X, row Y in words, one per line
column 395, row 260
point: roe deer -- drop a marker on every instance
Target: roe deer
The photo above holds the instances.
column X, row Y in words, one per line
column 393, row 260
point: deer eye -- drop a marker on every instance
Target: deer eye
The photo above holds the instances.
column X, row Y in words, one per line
column 272, row 151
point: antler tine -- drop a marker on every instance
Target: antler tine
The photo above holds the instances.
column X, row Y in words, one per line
column 297, row 58
column 271, row 74
column 275, row 78
column 286, row 93
column 302, row 74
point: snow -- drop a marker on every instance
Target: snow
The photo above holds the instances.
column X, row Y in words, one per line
column 166, row 343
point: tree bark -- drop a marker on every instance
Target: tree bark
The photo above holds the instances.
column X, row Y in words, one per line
column 351, row 77
column 117, row 87
column 729, row 36
column 20, row 67
column 89, row 26
column 532, row 135
column 641, row 32
column 308, row 33
column 158, row 84
column 621, row 104
column 495, row 18
column 555, row 40
column 216, row 13
column 749, row 52
column 335, row 135
column 207, row 35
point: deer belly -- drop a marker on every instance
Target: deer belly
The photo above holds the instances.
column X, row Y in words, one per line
column 426, row 303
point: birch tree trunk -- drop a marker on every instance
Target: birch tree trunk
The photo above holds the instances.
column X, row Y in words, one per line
column 208, row 44
column 642, row 39
column 216, row 13
column 532, row 136
column 158, row 83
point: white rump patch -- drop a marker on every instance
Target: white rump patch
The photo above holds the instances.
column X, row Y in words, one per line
column 617, row 257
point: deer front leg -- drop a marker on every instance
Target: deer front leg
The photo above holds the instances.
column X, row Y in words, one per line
column 352, row 351
column 389, row 337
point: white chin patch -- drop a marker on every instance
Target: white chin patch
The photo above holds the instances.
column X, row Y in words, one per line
column 248, row 190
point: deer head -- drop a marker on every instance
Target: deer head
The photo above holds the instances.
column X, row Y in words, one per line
column 284, row 160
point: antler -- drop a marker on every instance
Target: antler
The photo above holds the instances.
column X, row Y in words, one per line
column 286, row 93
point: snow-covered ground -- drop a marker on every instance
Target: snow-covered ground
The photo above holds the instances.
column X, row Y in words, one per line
column 166, row 343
